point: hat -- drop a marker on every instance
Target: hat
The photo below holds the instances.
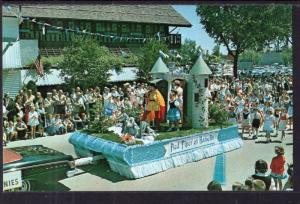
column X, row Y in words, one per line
column 279, row 150
column 49, row 93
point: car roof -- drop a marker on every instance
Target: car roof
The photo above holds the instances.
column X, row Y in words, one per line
column 36, row 154
column 10, row 156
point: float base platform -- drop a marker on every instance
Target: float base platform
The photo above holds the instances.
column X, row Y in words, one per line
column 138, row 161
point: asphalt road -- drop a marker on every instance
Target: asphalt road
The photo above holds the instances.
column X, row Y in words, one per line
column 239, row 164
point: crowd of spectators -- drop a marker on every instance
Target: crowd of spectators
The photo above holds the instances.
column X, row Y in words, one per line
column 254, row 103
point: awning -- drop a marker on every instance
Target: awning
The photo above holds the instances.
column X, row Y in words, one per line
column 53, row 78
column 126, row 74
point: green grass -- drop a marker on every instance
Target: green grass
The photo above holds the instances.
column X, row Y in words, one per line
column 112, row 137
column 163, row 134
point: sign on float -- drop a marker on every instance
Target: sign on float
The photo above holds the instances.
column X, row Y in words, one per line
column 191, row 143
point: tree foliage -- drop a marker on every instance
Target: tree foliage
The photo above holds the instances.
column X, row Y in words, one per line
column 216, row 50
column 88, row 64
column 150, row 55
column 218, row 114
column 287, row 56
column 251, row 55
column 242, row 27
column 189, row 52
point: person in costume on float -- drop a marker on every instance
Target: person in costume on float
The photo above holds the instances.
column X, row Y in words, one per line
column 156, row 103
column 173, row 114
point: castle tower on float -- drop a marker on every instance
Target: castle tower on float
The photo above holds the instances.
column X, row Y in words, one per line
column 197, row 101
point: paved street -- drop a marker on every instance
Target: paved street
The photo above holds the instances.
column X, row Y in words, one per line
column 239, row 164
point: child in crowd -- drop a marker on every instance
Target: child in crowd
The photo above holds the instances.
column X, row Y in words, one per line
column 277, row 167
column 11, row 131
column 21, row 129
column 246, row 121
column 68, row 123
column 282, row 123
column 256, row 122
column 33, row 121
column 59, row 126
column 232, row 115
column 277, row 117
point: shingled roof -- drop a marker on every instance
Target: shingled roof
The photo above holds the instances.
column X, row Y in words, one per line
column 157, row 14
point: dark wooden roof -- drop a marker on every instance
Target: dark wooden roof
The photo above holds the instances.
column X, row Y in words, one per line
column 157, row 14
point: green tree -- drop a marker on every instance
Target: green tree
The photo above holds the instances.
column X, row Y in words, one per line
column 150, row 53
column 88, row 64
column 189, row 52
column 251, row 55
column 247, row 26
column 216, row 50
column 287, row 56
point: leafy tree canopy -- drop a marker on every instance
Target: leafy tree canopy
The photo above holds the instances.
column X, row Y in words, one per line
column 189, row 52
column 251, row 55
column 150, row 55
column 87, row 63
column 246, row 26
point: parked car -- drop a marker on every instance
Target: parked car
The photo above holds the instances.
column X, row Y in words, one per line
column 35, row 168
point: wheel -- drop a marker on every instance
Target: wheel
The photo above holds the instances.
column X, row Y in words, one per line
column 26, row 185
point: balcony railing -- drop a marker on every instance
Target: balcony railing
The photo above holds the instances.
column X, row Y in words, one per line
column 60, row 40
column 174, row 41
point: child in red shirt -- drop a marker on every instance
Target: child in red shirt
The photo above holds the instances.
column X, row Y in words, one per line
column 277, row 167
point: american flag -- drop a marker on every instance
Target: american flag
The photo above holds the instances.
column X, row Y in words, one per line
column 39, row 65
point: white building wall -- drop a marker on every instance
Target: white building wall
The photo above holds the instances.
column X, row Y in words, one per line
column 10, row 27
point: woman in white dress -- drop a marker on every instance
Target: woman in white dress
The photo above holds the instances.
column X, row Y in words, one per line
column 269, row 123
column 33, row 121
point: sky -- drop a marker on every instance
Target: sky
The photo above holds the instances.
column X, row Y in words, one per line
column 196, row 32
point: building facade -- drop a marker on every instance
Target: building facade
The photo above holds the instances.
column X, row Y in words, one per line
column 126, row 21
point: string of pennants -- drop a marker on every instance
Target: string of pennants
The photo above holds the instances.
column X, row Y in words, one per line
column 78, row 31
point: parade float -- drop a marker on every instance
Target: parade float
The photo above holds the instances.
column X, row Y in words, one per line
column 198, row 141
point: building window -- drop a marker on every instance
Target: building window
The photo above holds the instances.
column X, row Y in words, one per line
column 100, row 27
column 162, row 29
column 139, row 28
column 88, row 26
column 108, row 27
column 114, row 27
column 59, row 23
column 71, row 25
column 125, row 28
column 148, row 29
